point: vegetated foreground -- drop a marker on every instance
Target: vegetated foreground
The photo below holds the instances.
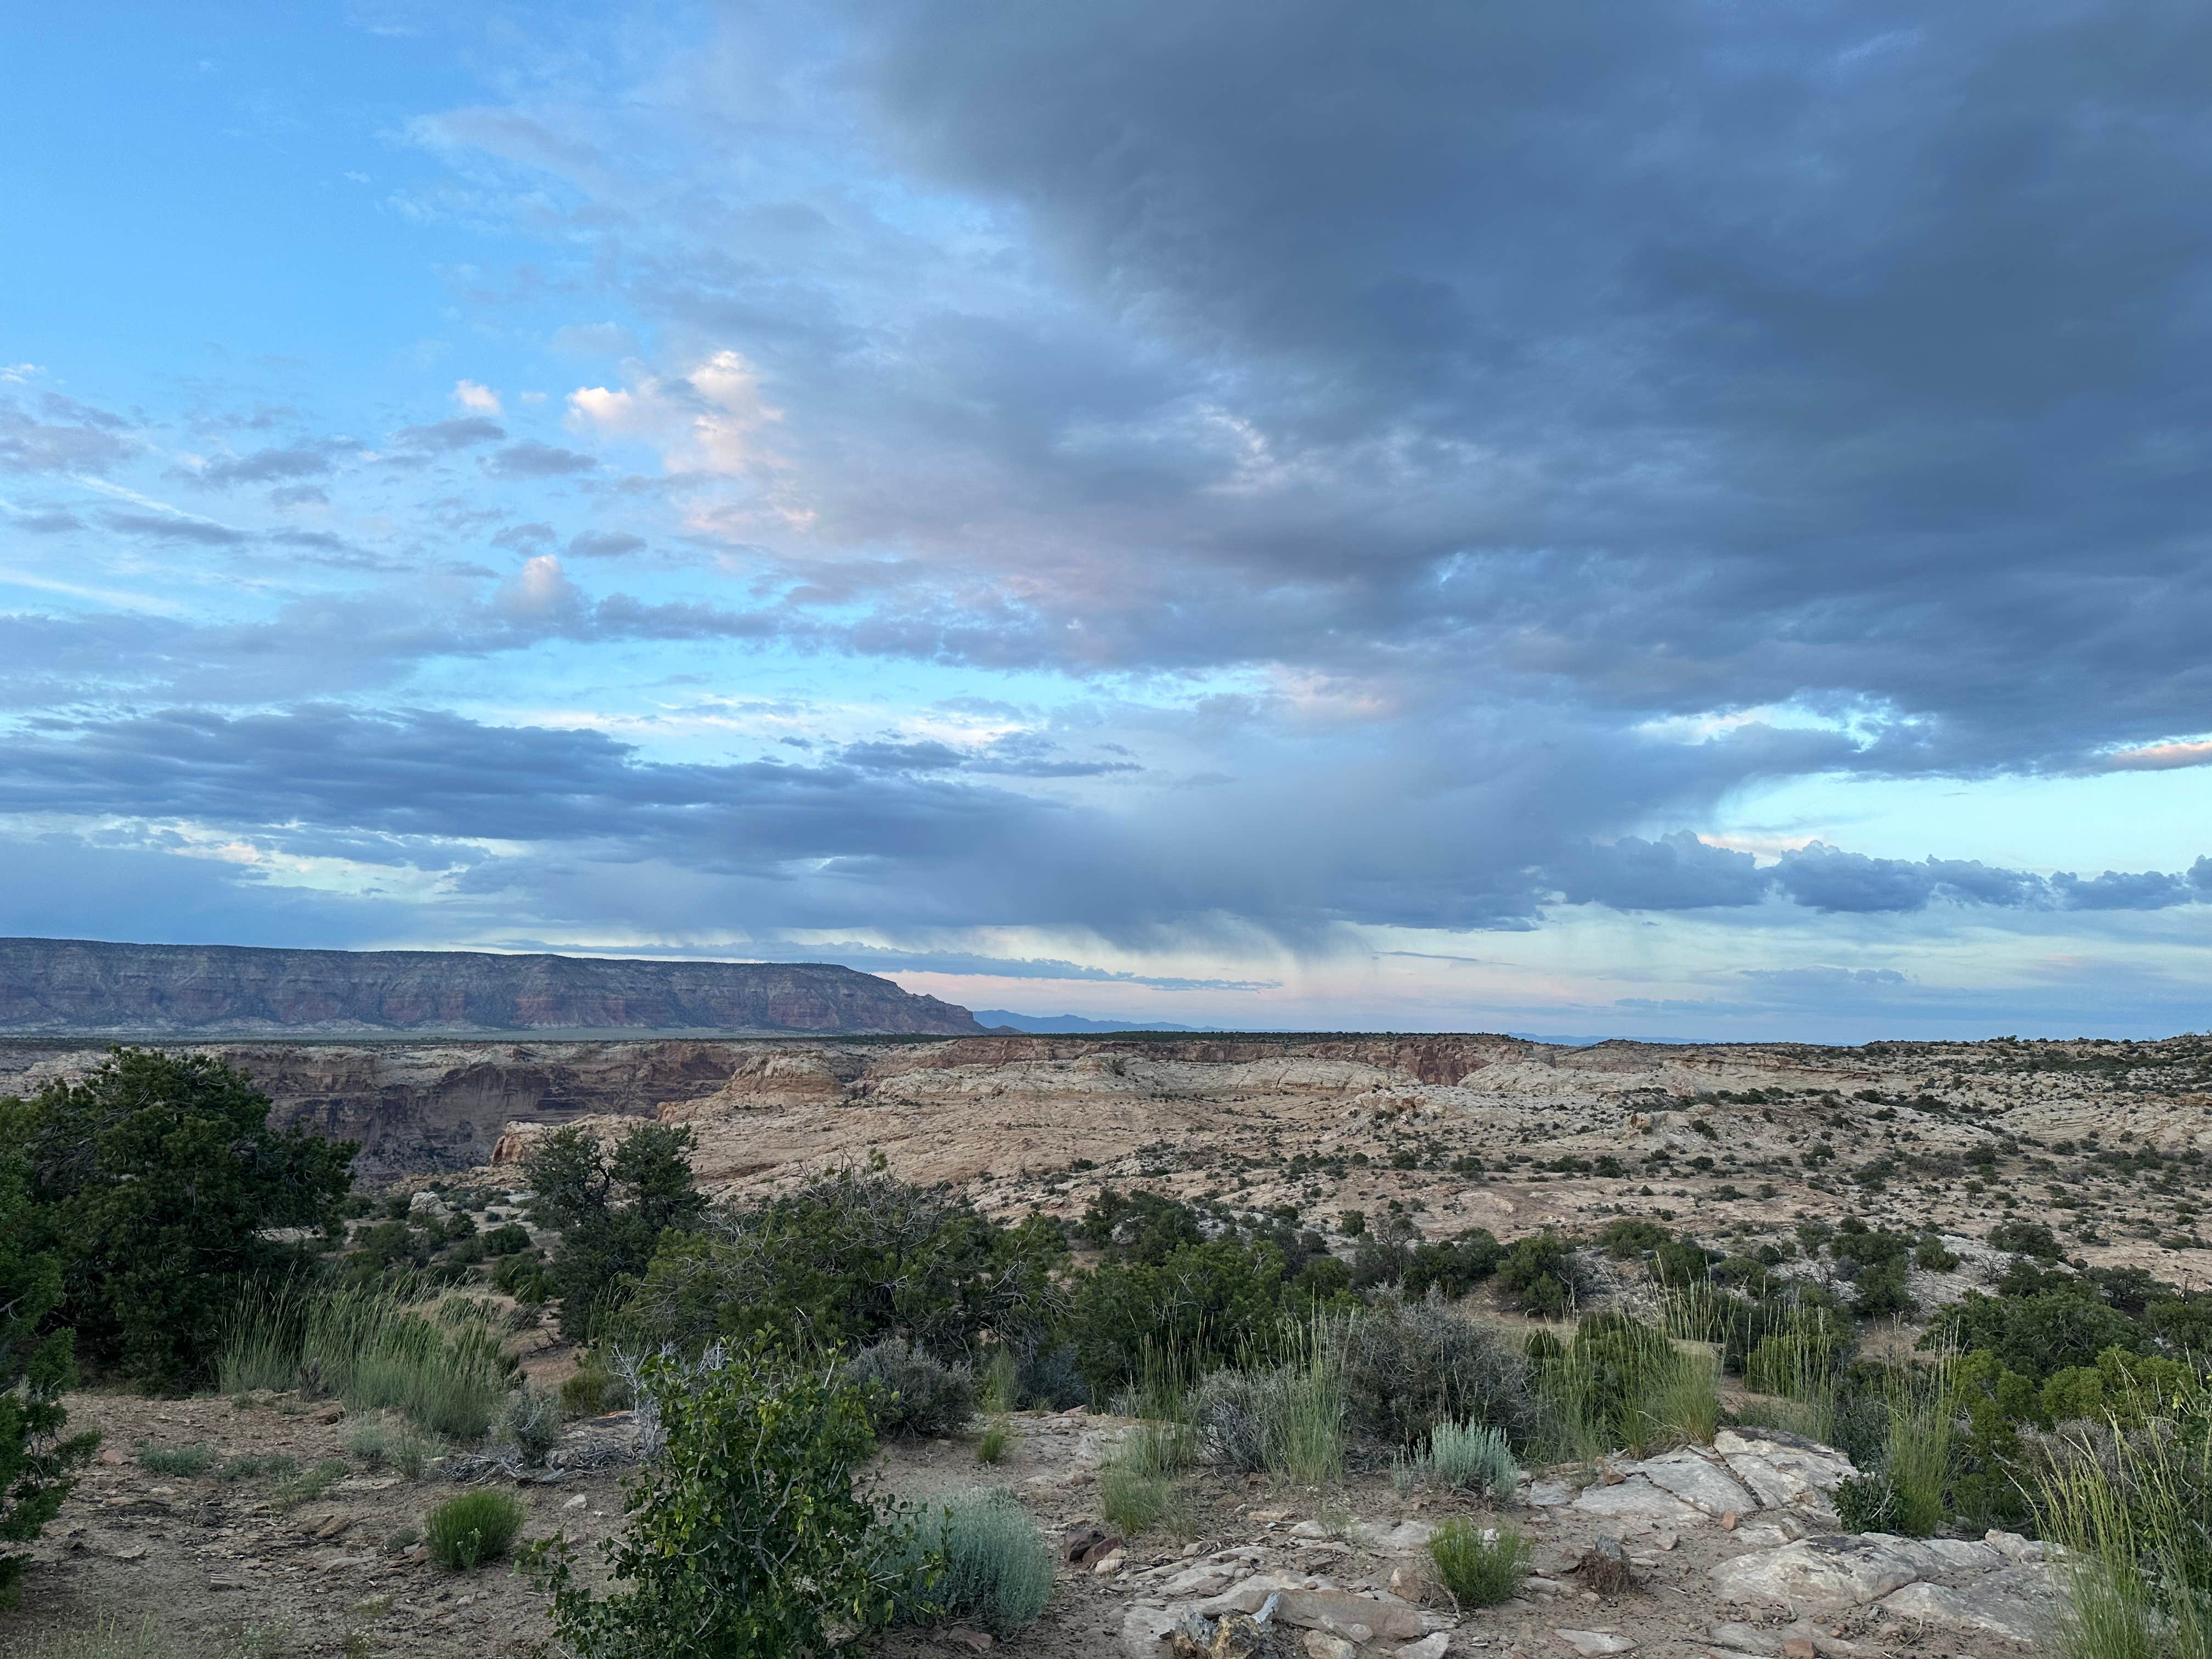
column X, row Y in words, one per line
column 1758, row 1350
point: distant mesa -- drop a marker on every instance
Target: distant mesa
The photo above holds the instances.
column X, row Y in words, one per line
column 81, row 987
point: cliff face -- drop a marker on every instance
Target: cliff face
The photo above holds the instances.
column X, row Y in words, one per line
column 79, row 987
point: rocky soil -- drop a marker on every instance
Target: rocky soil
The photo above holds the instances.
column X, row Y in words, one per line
column 1730, row 1551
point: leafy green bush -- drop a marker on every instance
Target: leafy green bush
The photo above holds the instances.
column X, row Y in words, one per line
column 611, row 1207
column 465, row 1532
column 37, row 1465
column 1478, row 1570
column 910, row 1392
column 747, row 1538
column 1211, row 1303
column 158, row 1185
column 1454, row 1267
column 509, row 1239
column 1540, row 1275
column 854, row 1256
column 1408, row 1366
column 986, row 1562
column 192, row 1460
column 2029, row 1238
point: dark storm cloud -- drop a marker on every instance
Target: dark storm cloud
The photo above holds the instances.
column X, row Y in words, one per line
column 531, row 459
column 1688, row 358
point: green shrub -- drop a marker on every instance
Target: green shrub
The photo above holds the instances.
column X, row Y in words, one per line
column 746, row 1537
column 37, row 1465
column 465, row 1532
column 1918, row 1463
column 506, row 1241
column 1454, row 1266
column 196, row 1459
column 612, row 1206
column 590, row 1388
column 532, row 1423
column 2029, row 1238
column 1540, row 1275
column 1001, row 1387
column 1471, row 1457
column 987, row 1563
column 1474, row 1569
column 1287, row 1420
column 852, row 1257
column 1212, row 1303
column 160, row 1186
column 1407, row 1366
column 910, row 1392
column 990, row 1444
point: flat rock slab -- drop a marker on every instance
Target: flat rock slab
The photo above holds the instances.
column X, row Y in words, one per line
column 1549, row 1494
column 1635, row 1497
column 1782, row 1471
column 1334, row 1611
column 1595, row 1641
column 1988, row 1607
column 1696, row 1480
column 1817, row 1575
column 1406, row 1538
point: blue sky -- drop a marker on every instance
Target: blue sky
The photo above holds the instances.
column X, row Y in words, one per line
column 1687, row 521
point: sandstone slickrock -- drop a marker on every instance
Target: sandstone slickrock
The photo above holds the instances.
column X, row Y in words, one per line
column 82, row 986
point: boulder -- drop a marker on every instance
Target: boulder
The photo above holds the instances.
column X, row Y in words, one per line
column 1406, row 1538
column 1434, row 1645
column 1986, row 1606
column 1818, row 1575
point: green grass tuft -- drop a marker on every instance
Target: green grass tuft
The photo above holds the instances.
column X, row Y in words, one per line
column 193, row 1460
column 477, row 1526
column 1477, row 1570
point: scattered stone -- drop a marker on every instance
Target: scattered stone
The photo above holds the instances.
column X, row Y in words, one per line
column 1406, row 1538
column 333, row 1526
column 1549, row 1494
column 1111, row 1562
column 975, row 1641
column 1595, row 1641
column 1434, row 1645
column 1319, row 1644
column 575, row 1503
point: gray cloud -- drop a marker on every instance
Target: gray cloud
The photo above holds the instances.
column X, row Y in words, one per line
column 462, row 433
column 64, row 435
column 531, row 459
column 301, row 460
column 605, row 544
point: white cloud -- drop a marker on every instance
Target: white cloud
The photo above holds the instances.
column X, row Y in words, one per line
column 477, row 398
column 707, row 420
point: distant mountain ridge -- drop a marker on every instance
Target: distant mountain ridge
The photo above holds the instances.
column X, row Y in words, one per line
column 56, row 987
column 1063, row 1022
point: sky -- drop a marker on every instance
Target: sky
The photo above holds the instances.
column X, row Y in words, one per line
column 1684, row 520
